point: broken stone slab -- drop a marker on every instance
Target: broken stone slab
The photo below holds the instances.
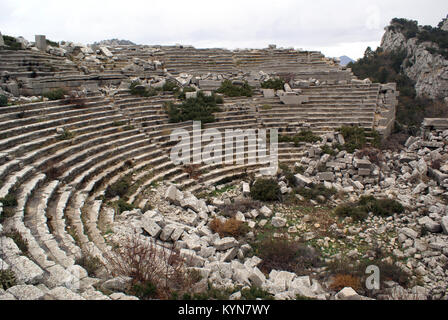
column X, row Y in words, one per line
column 363, row 172
column 302, row 181
column 173, row 195
column 362, row 163
column 444, row 224
column 246, row 189
column 430, row 225
column 294, row 100
column 266, row 212
column 167, row 231
column 325, row 176
column 150, row 226
column 191, row 258
column 409, row 233
column 106, row 52
column 230, row 255
column 278, row 222
column 268, row 93
column 225, row 243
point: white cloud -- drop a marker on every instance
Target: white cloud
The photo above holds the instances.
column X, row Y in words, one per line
column 334, row 28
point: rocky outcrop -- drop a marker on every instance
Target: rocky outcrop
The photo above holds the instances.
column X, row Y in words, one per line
column 428, row 70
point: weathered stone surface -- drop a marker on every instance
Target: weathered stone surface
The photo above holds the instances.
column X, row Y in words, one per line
column 278, row 222
column 225, row 243
column 444, row 224
column 26, row 292
column 120, row 284
column 266, row 212
column 62, row 293
column 150, row 226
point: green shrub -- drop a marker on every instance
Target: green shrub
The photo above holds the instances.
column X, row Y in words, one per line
column 265, row 190
column 254, row 293
column 3, row 100
column 355, row 138
column 145, row 291
column 56, row 94
column 7, row 279
column 232, row 90
column 66, row 135
column 289, row 175
column 123, row 206
column 356, row 213
column 379, row 207
column 288, row 255
column 316, row 192
column 119, row 188
column 200, row 108
column 52, row 43
column 90, row 263
column 21, row 243
column 302, row 136
column 138, row 90
column 329, row 150
column 277, row 84
column 170, row 86
column 11, row 43
column 9, row 200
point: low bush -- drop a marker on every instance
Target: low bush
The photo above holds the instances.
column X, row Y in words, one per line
column 66, row 135
column 231, row 228
column 288, row 255
column 119, row 188
column 316, row 192
column 3, row 100
column 7, row 279
column 170, row 86
column 21, row 243
column 355, row 138
column 56, row 94
column 137, row 89
column 356, row 213
column 379, row 207
column 90, row 263
column 329, row 150
column 302, row 136
column 156, row 272
column 233, row 90
column 9, row 200
column 122, row 206
column 277, row 84
column 11, row 43
column 289, row 175
column 200, row 108
column 265, row 190
column 254, row 293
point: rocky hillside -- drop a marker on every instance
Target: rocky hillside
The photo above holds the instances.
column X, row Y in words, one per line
column 426, row 54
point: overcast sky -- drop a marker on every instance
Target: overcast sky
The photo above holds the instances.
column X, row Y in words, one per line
column 335, row 28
